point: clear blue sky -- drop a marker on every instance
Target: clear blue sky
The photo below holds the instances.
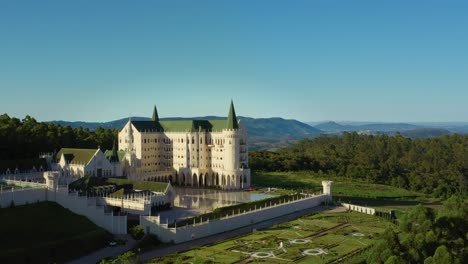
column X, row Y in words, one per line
column 309, row 60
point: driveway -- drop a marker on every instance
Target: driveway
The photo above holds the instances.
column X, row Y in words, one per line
column 106, row 252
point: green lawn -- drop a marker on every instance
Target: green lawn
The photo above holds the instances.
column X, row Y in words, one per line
column 45, row 232
column 346, row 190
column 93, row 184
column 344, row 186
column 340, row 240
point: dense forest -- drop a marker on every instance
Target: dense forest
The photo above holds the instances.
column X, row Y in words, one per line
column 426, row 236
column 27, row 138
column 438, row 165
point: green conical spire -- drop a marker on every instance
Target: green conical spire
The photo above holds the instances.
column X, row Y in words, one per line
column 155, row 114
column 232, row 119
column 115, row 155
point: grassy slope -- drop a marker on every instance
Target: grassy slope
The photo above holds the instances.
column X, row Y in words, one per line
column 346, row 190
column 46, row 232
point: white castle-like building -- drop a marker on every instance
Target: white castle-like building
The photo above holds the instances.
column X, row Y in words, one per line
column 198, row 153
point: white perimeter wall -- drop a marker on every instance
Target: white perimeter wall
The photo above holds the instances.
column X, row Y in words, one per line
column 207, row 228
column 360, row 209
column 83, row 205
column 78, row 205
column 130, row 206
column 137, row 205
column 22, row 196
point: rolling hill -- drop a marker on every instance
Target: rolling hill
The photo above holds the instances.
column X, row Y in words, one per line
column 425, row 132
column 371, row 127
column 264, row 133
column 332, row 126
column 275, row 132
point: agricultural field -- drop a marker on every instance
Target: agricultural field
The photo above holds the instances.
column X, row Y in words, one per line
column 317, row 238
column 46, row 232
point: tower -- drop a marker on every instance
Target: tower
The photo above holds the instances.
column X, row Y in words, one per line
column 327, row 187
column 231, row 146
column 231, row 138
column 231, row 122
column 130, row 155
column 52, row 179
column 155, row 116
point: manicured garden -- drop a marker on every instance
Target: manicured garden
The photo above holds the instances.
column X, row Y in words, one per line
column 45, row 232
column 317, row 238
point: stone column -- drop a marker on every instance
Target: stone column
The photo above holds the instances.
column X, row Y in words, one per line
column 327, row 188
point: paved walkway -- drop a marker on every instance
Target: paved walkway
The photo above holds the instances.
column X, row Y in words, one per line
column 106, row 252
column 146, row 256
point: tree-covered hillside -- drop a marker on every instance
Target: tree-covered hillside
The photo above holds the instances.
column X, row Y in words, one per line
column 426, row 236
column 438, row 165
column 20, row 139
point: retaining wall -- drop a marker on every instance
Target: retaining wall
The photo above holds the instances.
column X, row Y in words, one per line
column 182, row 234
column 77, row 204
column 129, row 206
column 87, row 206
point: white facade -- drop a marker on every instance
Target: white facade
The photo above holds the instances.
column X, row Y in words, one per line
column 198, row 153
column 140, row 203
column 95, row 164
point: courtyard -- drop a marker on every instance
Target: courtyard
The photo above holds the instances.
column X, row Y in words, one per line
column 190, row 202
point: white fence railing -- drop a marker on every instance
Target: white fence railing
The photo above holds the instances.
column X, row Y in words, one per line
column 26, row 184
column 155, row 225
column 358, row 208
column 28, row 176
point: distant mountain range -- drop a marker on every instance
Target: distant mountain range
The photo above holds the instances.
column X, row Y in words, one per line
column 264, row 133
column 381, row 127
column 275, row 132
column 425, row 132
column 417, row 130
